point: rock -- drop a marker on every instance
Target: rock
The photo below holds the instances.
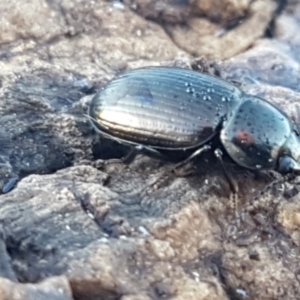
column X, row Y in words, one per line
column 204, row 38
column 33, row 19
column 42, row 121
column 104, row 241
column 54, row 288
column 168, row 11
column 75, row 227
column 226, row 12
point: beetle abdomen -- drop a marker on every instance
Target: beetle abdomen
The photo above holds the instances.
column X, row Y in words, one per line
column 163, row 107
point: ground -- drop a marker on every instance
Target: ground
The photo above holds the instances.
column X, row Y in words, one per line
column 74, row 227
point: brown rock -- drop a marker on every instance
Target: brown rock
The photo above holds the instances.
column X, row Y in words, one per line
column 54, row 288
column 32, row 19
column 217, row 43
column 74, row 226
column 226, row 12
column 170, row 11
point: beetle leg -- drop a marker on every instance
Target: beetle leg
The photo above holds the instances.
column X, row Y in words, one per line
column 192, row 156
column 233, row 186
column 133, row 152
column 254, row 203
column 127, row 159
column 151, row 152
column 130, row 156
column 174, row 170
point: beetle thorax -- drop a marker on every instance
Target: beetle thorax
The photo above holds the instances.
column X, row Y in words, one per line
column 255, row 134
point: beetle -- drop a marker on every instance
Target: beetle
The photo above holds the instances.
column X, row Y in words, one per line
column 161, row 110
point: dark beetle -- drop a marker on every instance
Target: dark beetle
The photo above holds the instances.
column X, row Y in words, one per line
column 162, row 109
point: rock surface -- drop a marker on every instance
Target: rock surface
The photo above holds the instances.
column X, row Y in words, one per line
column 74, row 227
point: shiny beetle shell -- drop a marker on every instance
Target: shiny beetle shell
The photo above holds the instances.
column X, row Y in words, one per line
column 178, row 109
column 163, row 108
column 255, row 133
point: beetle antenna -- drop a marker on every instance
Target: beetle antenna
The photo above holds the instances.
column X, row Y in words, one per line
column 254, row 201
column 254, row 204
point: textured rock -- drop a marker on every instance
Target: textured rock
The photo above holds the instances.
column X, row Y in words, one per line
column 74, row 227
column 168, row 11
column 32, row 19
column 55, row 288
column 226, row 12
column 42, row 78
column 204, row 38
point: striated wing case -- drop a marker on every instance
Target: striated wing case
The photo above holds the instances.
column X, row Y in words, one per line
column 164, row 108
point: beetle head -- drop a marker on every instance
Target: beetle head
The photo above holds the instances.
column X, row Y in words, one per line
column 289, row 162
